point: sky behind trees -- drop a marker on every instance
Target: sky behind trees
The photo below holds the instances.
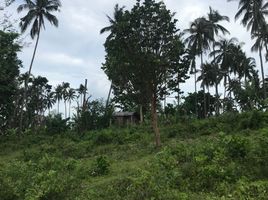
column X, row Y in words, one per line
column 75, row 51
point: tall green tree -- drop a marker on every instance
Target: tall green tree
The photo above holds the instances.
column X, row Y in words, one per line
column 253, row 13
column 59, row 95
column 209, row 77
column 224, row 56
column 9, row 67
column 214, row 17
column 65, row 87
column 71, row 95
column 126, row 99
column 144, row 53
column 81, row 91
column 50, row 100
column 37, row 12
column 199, row 39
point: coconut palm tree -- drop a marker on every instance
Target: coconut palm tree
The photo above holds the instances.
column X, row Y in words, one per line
column 224, row 57
column 65, row 87
column 71, row 95
column 37, row 12
column 50, row 100
column 260, row 42
column 254, row 13
column 247, row 69
column 214, row 17
column 198, row 41
column 211, row 76
column 118, row 14
column 58, row 95
column 81, row 91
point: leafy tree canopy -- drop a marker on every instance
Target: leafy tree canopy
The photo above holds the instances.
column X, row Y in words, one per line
column 145, row 53
column 9, row 67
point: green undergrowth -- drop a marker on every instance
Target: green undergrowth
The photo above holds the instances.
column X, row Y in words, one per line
column 216, row 158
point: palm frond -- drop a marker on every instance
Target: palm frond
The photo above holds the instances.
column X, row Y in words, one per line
column 52, row 19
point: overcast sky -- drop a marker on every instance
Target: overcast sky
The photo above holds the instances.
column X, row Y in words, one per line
column 74, row 51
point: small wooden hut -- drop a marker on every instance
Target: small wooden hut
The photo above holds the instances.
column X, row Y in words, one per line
column 126, row 118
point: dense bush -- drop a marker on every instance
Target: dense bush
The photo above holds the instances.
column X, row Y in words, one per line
column 48, row 178
column 56, row 125
column 216, row 158
column 100, row 167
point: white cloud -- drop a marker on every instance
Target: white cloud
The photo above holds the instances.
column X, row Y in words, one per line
column 60, row 58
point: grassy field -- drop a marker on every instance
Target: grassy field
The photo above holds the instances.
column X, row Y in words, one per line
column 217, row 158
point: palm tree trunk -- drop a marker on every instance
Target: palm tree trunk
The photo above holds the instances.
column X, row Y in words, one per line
column 58, row 106
column 154, row 120
column 65, row 109
column 24, row 103
column 178, row 100
column 69, row 108
column 141, row 114
column 262, row 74
column 195, row 90
column 208, row 102
column 217, row 99
column 225, row 87
column 205, row 105
column 266, row 48
column 109, row 95
column 216, row 85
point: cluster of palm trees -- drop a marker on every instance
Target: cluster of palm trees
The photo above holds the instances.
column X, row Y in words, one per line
column 63, row 92
column 37, row 12
column 41, row 97
column 227, row 61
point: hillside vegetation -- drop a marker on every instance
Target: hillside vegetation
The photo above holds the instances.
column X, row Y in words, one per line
column 216, row 158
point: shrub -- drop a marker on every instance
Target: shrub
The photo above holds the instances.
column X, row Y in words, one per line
column 100, row 167
column 56, row 125
column 236, row 146
column 47, row 178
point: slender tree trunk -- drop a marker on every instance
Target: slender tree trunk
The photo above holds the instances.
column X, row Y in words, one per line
column 24, row 103
column 266, row 48
column 154, row 120
column 165, row 105
column 69, row 108
column 204, row 89
column 178, row 99
column 225, row 87
column 262, row 74
column 65, row 109
column 58, row 106
column 109, row 95
column 195, row 90
column 141, row 114
column 217, row 99
column 209, row 110
column 85, row 94
column 216, row 85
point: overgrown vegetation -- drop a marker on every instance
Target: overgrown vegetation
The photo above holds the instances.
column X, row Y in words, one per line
column 216, row 158
column 211, row 147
